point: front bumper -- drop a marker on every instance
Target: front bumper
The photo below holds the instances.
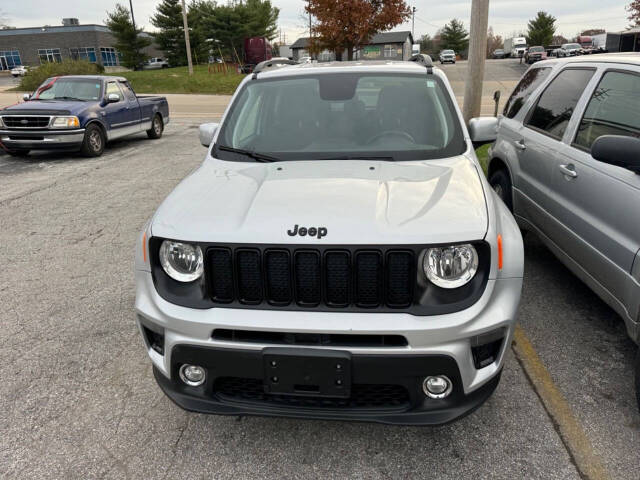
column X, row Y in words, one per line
column 42, row 139
column 385, row 389
column 434, row 343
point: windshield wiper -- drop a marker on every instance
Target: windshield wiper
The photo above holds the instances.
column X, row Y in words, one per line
column 69, row 98
column 386, row 158
column 258, row 157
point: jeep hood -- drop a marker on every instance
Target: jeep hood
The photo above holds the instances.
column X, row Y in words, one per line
column 358, row 202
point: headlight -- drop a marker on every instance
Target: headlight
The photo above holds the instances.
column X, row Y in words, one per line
column 451, row 267
column 65, row 122
column 181, row 261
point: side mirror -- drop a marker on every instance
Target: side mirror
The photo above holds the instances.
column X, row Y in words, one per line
column 207, row 132
column 618, row 150
column 26, row 97
column 483, row 130
column 113, row 98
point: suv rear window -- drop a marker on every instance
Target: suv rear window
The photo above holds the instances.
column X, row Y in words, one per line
column 342, row 116
column 529, row 82
column 612, row 110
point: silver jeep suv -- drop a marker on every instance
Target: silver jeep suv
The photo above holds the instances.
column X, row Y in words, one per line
column 339, row 254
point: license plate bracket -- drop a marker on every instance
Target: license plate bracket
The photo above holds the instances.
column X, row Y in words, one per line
column 307, row 372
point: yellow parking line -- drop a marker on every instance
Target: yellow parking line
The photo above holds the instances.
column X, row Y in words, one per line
column 571, row 432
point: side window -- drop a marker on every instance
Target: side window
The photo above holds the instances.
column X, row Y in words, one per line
column 612, row 110
column 128, row 93
column 112, row 87
column 531, row 80
column 556, row 104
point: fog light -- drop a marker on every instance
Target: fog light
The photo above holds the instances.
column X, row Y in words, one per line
column 192, row 375
column 437, row 387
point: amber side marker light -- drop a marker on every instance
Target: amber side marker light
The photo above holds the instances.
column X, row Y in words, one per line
column 499, row 252
column 144, row 248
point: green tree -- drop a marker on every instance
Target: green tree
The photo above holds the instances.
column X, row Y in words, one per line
column 541, row 29
column 129, row 42
column 454, row 36
column 426, row 44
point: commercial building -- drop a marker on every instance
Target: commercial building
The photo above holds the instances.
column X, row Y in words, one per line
column 383, row 46
column 38, row 45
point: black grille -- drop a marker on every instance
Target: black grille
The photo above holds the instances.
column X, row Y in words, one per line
column 320, row 339
column 363, row 396
column 25, row 122
column 366, row 279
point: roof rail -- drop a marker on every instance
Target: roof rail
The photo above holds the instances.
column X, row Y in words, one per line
column 423, row 59
column 269, row 64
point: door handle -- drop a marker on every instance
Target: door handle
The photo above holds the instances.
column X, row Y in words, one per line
column 520, row 145
column 568, row 170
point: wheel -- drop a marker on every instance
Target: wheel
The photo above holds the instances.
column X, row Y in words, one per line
column 18, row 153
column 638, row 379
column 93, row 142
column 501, row 184
column 156, row 127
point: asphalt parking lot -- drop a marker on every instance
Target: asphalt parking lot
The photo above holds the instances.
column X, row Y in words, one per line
column 78, row 399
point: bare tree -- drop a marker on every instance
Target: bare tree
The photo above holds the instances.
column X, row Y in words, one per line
column 4, row 20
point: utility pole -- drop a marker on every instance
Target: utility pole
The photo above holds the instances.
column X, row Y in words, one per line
column 186, row 37
column 133, row 20
column 477, row 55
column 413, row 24
column 310, row 56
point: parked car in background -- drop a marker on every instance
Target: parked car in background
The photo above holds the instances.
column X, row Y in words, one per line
column 567, row 163
column 81, row 112
column 19, row 71
column 535, row 54
column 305, row 59
column 155, row 63
column 275, row 280
column 569, row 50
column 499, row 53
column 447, row 56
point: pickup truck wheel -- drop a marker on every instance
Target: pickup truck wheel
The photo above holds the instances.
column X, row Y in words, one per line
column 501, row 184
column 156, row 127
column 94, row 141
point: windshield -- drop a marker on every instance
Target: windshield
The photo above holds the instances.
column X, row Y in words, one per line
column 569, row 46
column 342, row 116
column 447, row 52
column 68, row 88
column 536, row 49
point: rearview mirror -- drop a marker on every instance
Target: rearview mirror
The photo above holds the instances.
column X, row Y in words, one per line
column 113, row 97
column 496, row 98
column 26, row 97
column 618, row 150
column 207, row 132
column 483, row 130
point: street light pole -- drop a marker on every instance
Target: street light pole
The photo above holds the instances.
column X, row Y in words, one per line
column 133, row 20
column 186, row 37
column 413, row 23
column 477, row 55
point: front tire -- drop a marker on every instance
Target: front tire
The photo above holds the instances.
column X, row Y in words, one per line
column 94, row 141
column 501, row 184
column 157, row 127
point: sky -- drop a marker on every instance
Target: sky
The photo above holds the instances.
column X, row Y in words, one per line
column 507, row 17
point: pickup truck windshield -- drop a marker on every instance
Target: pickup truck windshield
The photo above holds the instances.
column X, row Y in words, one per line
column 83, row 89
column 342, row 116
column 536, row 49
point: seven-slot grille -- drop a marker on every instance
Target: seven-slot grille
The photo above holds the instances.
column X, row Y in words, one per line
column 29, row 121
column 308, row 278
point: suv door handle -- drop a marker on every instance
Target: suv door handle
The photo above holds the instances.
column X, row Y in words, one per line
column 568, row 170
column 520, row 145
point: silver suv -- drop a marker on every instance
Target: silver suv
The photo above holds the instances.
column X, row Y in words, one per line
column 339, row 253
column 567, row 163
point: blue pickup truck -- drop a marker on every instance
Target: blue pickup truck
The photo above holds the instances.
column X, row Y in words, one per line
column 82, row 113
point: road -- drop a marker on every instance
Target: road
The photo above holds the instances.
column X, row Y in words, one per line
column 78, row 399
